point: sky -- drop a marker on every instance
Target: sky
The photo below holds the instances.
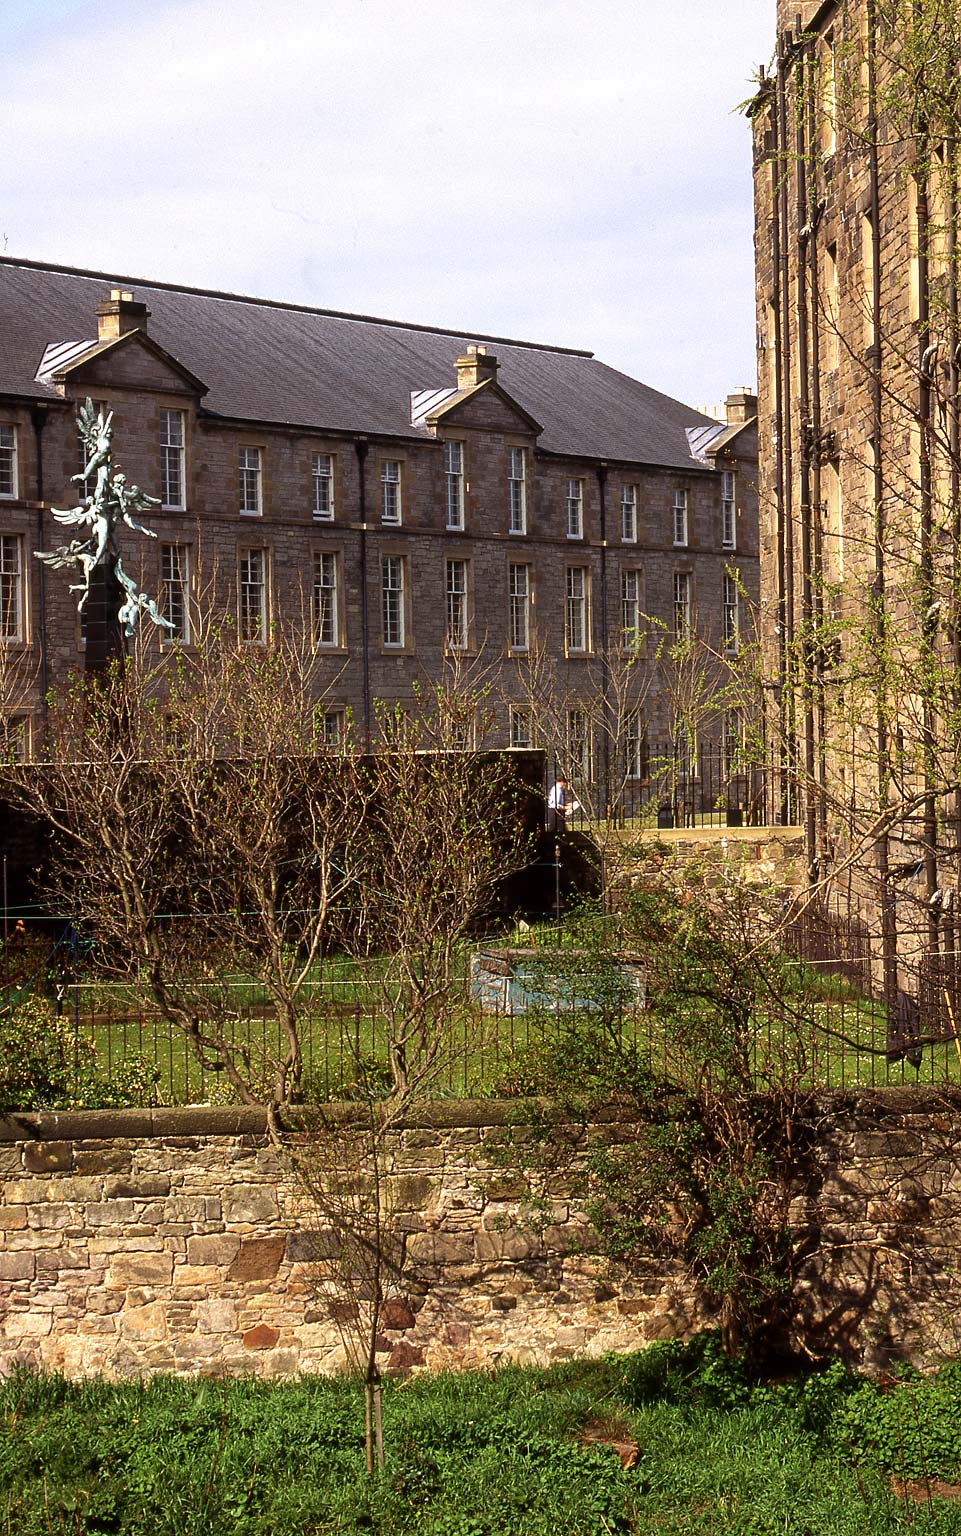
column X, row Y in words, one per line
column 558, row 170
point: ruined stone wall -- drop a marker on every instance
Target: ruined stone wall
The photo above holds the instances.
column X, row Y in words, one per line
column 170, row 1240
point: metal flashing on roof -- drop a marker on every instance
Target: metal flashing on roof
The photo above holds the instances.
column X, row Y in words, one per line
column 424, row 402
column 703, row 438
column 58, row 356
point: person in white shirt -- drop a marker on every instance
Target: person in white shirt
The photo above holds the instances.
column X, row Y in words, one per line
column 561, row 803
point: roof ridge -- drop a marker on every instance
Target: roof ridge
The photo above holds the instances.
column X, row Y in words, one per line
column 308, row 309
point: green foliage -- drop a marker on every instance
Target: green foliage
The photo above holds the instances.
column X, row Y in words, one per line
column 693, row 1371
column 45, row 1064
column 684, row 1152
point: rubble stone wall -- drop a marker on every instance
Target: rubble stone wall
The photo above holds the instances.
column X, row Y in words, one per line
column 175, row 1240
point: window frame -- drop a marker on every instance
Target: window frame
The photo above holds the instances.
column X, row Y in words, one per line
column 322, row 610
column 263, row 586
column 457, row 613
column 577, row 610
column 333, row 741
column 580, row 745
column 575, row 508
column 393, row 602
column 682, row 604
column 256, row 470
column 322, row 514
column 176, row 581
column 730, row 615
column 680, row 526
column 392, row 491
column 16, row 732
column 13, row 591
column 636, row 766
column 631, row 634
column 173, row 453
column 629, row 513
column 519, row 608
column 454, row 485
column 12, row 448
column 516, row 491
column 521, row 726
column 728, row 509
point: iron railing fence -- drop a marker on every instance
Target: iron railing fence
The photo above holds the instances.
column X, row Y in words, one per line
column 670, row 784
column 826, row 1018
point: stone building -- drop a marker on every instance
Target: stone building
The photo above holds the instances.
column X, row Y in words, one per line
column 415, row 496
column 856, row 196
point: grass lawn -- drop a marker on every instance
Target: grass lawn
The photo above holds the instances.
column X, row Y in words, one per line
column 515, row 1452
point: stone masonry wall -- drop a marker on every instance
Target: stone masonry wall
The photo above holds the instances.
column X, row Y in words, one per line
column 169, row 1240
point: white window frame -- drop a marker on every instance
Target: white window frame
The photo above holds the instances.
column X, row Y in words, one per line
column 175, row 592
column 251, row 487
column 728, row 509
column 731, row 618
column 9, row 462
column 635, row 746
column 15, row 732
column 12, row 590
column 322, row 487
column 393, row 587
column 333, row 728
column 173, row 460
column 629, row 514
column 252, row 578
column 325, row 600
column 575, row 509
column 577, row 612
column 679, row 508
column 521, row 729
column 519, row 598
column 517, row 490
column 630, row 608
column 456, row 585
column 732, row 740
column 454, row 484
column 580, row 746
column 682, row 605
column 391, row 493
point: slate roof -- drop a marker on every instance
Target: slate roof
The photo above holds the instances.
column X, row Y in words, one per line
column 286, row 363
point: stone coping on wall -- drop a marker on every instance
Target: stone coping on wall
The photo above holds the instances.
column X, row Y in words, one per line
column 202, row 1120
column 231, row 1120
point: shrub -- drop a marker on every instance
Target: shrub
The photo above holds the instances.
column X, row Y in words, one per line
column 46, row 1064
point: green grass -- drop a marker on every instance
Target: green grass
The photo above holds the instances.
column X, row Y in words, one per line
column 481, row 1454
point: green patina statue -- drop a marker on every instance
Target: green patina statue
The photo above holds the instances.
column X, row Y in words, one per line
column 112, row 502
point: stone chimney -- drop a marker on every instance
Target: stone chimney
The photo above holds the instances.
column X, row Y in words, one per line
column 119, row 314
column 740, row 406
column 476, row 365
